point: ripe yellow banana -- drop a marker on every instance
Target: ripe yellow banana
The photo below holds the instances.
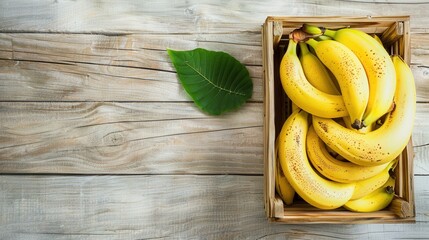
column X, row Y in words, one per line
column 385, row 143
column 369, row 185
column 377, row 38
column 378, row 66
column 350, row 75
column 375, row 201
column 315, row 190
column 315, row 72
column 334, row 169
column 302, row 93
column 283, row 187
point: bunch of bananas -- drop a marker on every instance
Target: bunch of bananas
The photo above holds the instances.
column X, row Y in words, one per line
column 353, row 116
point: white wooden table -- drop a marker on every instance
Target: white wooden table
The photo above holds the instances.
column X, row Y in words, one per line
column 98, row 140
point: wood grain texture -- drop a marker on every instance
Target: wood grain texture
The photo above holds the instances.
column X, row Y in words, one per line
column 149, row 138
column 59, row 67
column 86, row 87
column 420, row 64
column 189, row 16
column 421, row 140
column 76, row 67
column 185, row 207
column 158, row 138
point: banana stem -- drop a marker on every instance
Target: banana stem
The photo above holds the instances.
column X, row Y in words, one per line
column 313, row 43
column 291, row 48
column 298, row 35
column 330, row 33
column 304, row 48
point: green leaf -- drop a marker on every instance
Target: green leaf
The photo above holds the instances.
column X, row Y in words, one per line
column 216, row 81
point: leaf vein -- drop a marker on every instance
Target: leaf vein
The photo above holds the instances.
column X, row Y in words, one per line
column 216, row 86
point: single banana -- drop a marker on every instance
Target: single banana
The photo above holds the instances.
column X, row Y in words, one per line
column 315, row 190
column 317, row 32
column 334, row 169
column 315, row 72
column 369, row 185
column 378, row 66
column 313, row 30
column 377, row 38
column 302, row 93
column 350, row 75
column 283, row 187
column 385, row 143
column 375, row 201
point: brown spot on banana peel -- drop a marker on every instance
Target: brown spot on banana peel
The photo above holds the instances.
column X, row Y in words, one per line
column 297, row 138
column 323, row 126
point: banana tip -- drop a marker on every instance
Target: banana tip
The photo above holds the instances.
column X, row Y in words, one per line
column 357, row 124
column 390, row 190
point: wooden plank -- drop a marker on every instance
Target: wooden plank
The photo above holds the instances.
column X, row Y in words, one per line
column 421, row 139
column 185, row 207
column 191, row 16
column 420, row 64
column 150, row 138
column 40, row 81
column 131, row 50
column 76, row 67
column 59, row 67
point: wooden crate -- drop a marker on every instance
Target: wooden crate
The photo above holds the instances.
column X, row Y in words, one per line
column 394, row 32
